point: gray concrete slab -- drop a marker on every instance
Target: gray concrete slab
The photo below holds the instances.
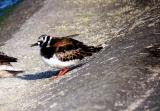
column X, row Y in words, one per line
column 122, row 77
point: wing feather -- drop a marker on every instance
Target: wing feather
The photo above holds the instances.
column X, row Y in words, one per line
column 66, row 44
column 72, row 55
column 5, row 58
column 70, row 49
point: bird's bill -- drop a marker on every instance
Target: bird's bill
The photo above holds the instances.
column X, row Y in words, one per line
column 35, row 44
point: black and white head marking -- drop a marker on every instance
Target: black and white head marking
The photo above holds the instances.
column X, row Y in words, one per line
column 44, row 40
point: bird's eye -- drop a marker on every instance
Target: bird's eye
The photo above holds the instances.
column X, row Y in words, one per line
column 38, row 43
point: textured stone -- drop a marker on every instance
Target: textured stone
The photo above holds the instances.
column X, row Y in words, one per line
column 120, row 77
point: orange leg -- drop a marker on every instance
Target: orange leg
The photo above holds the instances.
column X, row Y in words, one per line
column 61, row 73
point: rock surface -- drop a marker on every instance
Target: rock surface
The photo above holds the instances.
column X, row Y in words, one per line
column 122, row 77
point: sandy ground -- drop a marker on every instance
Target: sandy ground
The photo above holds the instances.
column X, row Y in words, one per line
column 96, row 24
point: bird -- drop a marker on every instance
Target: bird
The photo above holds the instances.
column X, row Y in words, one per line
column 63, row 52
column 6, row 69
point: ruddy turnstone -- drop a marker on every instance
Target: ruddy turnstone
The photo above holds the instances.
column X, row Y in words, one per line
column 63, row 52
column 6, row 69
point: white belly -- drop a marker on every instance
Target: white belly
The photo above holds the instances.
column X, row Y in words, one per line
column 56, row 63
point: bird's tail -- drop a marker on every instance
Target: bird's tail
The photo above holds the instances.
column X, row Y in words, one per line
column 94, row 49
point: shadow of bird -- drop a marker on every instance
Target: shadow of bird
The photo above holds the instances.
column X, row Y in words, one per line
column 45, row 74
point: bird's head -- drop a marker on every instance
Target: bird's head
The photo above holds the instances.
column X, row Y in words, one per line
column 42, row 41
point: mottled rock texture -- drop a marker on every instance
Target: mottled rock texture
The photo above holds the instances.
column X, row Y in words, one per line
column 122, row 77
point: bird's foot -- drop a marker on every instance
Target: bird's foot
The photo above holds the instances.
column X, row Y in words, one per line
column 61, row 73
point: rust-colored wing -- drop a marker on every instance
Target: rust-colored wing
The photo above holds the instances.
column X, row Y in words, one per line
column 65, row 44
column 79, row 53
column 70, row 49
